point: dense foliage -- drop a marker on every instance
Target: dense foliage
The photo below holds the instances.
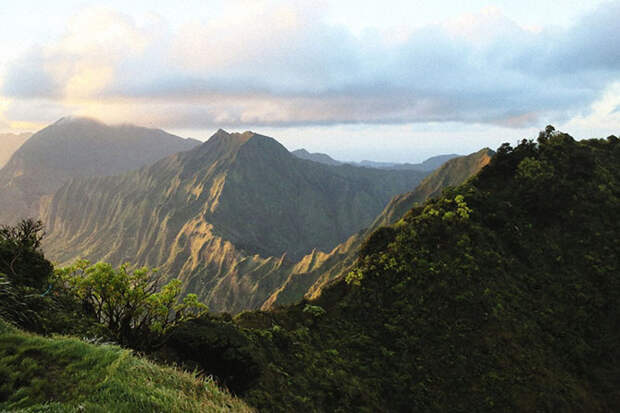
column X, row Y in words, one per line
column 29, row 296
column 500, row 295
column 131, row 304
column 20, row 258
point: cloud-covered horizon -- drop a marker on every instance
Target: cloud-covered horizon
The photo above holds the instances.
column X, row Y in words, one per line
column 284, row 65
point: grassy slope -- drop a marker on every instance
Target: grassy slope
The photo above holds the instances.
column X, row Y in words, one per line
column 64, row 374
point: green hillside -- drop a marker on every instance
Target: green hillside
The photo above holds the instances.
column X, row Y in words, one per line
column 501, row 295
column 64, row 374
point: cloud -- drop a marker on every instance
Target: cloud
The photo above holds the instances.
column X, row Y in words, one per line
column 274, row 64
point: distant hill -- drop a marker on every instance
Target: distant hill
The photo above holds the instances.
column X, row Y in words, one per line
column 428, row 165
column 9, row 143
column 74, row 147
column 234, row 211
column 316, row 157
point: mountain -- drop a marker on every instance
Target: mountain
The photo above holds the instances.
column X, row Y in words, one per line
column 74, row 147
column 435, row 162
column 233, row 212
column 428, row 165
column 319, row 269
column 316, row 157
column 9, row 143
column 500, row 295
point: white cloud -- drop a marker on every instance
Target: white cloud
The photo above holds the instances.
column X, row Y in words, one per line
column 278, row 64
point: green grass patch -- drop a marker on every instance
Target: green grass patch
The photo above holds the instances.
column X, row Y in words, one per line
column 65, row 374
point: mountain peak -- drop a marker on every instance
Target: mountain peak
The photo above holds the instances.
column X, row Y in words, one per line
column 75, row 147
column 224, row 145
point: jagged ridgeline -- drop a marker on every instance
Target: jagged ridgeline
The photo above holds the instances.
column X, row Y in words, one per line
column 501, row 295
column 74, row 147
column 231, row 217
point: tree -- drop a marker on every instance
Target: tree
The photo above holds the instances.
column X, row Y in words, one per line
column 20, row 256
column 129, row 303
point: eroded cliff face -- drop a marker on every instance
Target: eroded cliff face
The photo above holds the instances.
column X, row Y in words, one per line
column 233, row 218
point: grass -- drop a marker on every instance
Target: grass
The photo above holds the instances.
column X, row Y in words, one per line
column 65, row 374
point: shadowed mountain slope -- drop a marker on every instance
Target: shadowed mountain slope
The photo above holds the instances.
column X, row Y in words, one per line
column 316, row 271
column 233, row 213
column 74, row 147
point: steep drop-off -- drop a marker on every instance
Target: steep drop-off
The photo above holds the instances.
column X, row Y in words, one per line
column 74, row 147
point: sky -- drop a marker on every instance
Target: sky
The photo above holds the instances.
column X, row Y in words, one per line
column 385, row 80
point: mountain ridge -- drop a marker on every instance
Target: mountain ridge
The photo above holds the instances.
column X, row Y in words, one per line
column 329, row 266
column 500, row 295
column 235, row 211
column 73, row 147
